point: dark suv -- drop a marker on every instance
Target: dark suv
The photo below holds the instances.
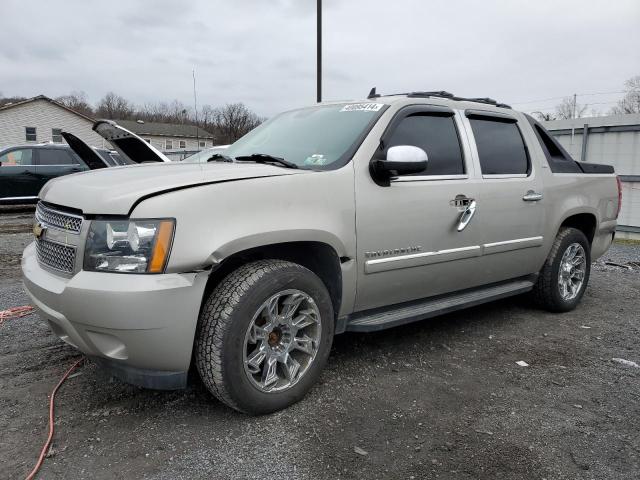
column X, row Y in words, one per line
column 25, row 169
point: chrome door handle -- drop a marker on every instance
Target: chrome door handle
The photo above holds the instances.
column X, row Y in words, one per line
column 532, row 196
column 467, row 215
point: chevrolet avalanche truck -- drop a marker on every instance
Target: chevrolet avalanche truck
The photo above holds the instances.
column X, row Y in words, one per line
column 348, row 216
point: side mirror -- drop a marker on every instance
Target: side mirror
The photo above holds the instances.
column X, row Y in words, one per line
column 401, row 160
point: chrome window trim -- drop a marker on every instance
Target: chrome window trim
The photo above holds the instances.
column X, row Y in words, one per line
column 506, row 175
column 18, row 198
column 427, row 178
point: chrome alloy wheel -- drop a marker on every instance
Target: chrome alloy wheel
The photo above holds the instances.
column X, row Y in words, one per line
column 572, row 271
column 282, row 341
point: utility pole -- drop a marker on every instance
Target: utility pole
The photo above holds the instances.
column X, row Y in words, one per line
column 319, row 53
column 574, row 105
column 195, row 108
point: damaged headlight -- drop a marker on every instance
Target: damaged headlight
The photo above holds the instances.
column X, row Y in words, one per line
column 129, row 246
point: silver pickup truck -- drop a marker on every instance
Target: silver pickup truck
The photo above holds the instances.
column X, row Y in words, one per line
column 348, row 216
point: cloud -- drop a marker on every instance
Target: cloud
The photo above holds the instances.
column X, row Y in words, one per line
column 263, row 53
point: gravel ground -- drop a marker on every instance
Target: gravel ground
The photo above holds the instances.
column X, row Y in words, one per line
column 439, row 399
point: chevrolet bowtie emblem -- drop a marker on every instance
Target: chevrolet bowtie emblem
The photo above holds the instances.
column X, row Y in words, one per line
column 38, row 229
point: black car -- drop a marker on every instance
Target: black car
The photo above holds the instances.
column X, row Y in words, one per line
column 25, row 169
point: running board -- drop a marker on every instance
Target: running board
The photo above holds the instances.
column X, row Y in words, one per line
column 387, row 317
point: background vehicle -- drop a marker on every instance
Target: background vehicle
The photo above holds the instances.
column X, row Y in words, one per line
column 337, row 217
column 25, row 169
column 204, row 155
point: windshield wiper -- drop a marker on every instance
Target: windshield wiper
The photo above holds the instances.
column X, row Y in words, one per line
column 219, row 157
column 265, row 158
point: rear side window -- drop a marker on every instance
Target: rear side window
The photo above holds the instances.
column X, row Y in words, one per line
column 55, row 157
column 500, row 147
column 437, row 136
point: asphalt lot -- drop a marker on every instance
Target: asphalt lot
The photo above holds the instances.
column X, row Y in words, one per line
column 438, row 399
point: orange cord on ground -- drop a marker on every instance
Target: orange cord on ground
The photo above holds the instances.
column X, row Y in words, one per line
column 45, row 448
column 15, row 312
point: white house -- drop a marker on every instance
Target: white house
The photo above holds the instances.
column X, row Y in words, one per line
column 41, row 119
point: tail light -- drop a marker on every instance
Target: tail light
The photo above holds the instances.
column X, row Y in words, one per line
column 619, row 196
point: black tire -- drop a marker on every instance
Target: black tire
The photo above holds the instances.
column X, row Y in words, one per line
column 546, row 292
column 224, row 321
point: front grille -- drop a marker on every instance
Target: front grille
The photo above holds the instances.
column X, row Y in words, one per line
column 55, row 255
column 58, row 219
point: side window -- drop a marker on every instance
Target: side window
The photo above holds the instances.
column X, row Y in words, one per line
column 17, row 158
column 56, row 135
column 436, row 135
column 30, row 134
column 500, row 147
column 50, row 156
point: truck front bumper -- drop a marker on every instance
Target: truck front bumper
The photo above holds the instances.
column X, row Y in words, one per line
column 140, row 327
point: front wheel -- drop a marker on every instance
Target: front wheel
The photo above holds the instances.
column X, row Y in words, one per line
column 264, row 335
column 565, row 274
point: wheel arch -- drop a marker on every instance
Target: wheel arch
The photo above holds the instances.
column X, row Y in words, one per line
column 586, row 222
column 319, row 257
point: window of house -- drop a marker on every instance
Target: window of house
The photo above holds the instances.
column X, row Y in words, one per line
column 183, row 144
column 500, row 146
column 30, row 134
column 55, row 156
column 14, row 158
column 56, row 135
column 436, row 135
column 168, row 144
column 203, row 144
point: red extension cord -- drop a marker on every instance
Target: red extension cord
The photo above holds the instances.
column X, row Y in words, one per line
column 45, row 448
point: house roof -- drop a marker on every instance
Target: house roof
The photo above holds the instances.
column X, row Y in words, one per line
column 50, row 100
column 164, row 129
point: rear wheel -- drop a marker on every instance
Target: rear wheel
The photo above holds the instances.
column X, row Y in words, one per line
column 264, row 336
column 564, row 276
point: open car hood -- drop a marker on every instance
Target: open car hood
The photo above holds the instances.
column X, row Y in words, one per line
column 84, row 151
column 127, row 143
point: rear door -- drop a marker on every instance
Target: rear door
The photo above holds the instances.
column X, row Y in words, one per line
column 510, row 210
column 56, row 162
column 86, row 153
column 18, row 179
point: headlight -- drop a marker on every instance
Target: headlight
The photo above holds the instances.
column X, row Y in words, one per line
column 128, row 246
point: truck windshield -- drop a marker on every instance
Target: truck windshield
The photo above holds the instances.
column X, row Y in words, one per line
column 317, row 138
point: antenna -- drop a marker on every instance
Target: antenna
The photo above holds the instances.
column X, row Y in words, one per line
column 373, row 94
column 195, row 106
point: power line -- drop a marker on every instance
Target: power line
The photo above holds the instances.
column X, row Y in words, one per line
column 568, row 96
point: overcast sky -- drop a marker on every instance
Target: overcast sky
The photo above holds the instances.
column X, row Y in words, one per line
column 262, row 52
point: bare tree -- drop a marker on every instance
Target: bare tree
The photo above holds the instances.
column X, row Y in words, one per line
column 8, row 100
column 631, row 101
column 76, row 100
column 545, row 117
column 233, row 121
column 569, row 108
column 114, row 107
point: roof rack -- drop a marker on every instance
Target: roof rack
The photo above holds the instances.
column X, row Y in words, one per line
column 441, row 94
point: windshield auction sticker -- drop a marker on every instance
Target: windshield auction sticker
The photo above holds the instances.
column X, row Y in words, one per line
column 360, row 107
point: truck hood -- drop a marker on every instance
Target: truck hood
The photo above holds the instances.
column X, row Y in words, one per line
column 115, row 191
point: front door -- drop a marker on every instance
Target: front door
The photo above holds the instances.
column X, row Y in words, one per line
column 17, row 175
column 408, row 241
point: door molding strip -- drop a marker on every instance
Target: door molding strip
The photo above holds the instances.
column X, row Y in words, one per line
column 419, row 259
column 508, row 245
column 428, row 258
